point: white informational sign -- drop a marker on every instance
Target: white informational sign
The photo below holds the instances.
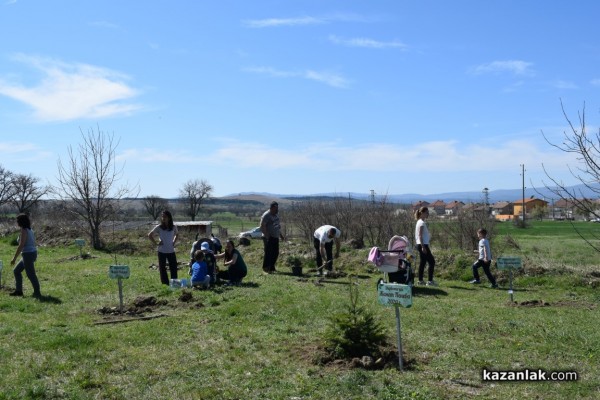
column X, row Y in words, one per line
column 394, row 294
column 118, row 271
column 508, row 263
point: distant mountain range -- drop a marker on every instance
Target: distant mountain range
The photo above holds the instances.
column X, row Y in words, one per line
column 466, row 197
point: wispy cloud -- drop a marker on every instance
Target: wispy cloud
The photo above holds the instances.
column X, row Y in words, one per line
column 16, row 147
column 560, row 84
column 328, row 78
column 9, row 2
column 157, row 155
column 368, row 43
column 277, row 22
column 447, row 156
column 515, row 67
column 595, row 82
column 16, row 152
column 305, row 20
column 72, row 91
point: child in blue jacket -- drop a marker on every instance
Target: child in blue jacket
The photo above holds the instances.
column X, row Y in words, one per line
column 200, row 276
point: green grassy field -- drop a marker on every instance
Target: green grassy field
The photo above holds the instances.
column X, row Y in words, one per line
column 265, row 339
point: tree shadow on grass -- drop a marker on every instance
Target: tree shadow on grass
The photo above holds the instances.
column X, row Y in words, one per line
column 49, row 299
column 462, row 288
column 428, row 291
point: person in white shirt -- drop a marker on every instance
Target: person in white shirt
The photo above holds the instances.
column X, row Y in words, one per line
column 167, row 235
column 324, row 237
column 425, row 256
column 484, row 260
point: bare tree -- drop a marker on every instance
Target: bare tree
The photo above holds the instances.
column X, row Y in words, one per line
column 461, row 232
column 373, row 222
column 26, row 192
column 154, row 205
column 586, row 147
column 88, row 181
column 6, row 185
column 193, row 193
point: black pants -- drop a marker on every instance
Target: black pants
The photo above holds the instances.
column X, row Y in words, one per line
column 328, row 253
column 486, row 269
column 271, row 254
column 162, row 266
column 425, row 257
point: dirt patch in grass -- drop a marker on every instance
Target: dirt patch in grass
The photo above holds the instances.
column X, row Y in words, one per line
column 144, row 306
column 140, row 306
column 317, row 355
column 530, row 303
column 562, row 303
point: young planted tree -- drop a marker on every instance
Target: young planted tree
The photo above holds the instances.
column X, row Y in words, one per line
column 88, row 180
column 193, row 193
column 585, row 146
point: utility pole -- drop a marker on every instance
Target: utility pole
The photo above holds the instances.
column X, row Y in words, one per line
column 523, row 201
column 486, row 201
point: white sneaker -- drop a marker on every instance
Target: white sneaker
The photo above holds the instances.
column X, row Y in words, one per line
column 432, row 283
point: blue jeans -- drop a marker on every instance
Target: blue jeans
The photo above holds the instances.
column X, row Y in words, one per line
column 27, row 264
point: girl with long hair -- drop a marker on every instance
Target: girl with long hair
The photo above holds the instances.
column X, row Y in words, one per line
column 236, row 267
column 167, row 235
column 28, row 251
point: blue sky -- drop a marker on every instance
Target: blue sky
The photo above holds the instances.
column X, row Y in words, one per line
column 300, row 97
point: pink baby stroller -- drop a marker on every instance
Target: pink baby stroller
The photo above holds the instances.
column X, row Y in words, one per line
column 395, row 261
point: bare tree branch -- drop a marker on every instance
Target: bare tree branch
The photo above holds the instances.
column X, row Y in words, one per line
column 193, row 193
column 154, row 205
column 88, row 181
column 26, row 192
column 586, row 148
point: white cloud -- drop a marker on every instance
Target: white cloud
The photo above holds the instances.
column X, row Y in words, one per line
column 21, row 152
column 306, row 20
column 432, row 157
column 595, row 82
column 72, row 91
column 365, row 42
column 564, row 85
column 328, row 78
column 16, row 147
column 276, row 22
column 156, row 155
column 516, row 67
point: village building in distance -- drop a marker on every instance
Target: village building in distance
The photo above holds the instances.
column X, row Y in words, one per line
column 531, row 208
